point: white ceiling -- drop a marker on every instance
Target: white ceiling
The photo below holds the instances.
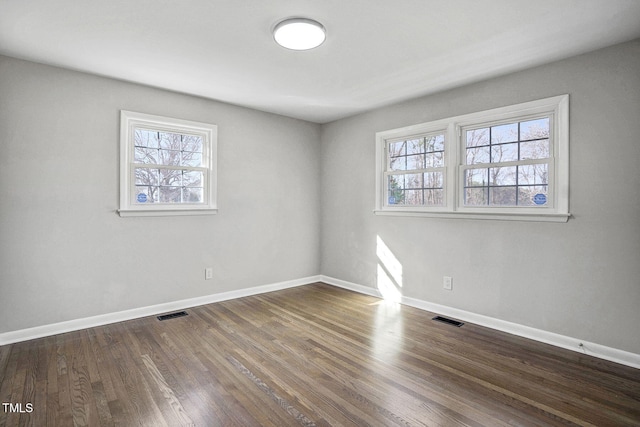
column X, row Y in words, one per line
column 376, row 52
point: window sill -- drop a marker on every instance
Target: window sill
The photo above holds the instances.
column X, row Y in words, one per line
column 166, row 212
column 534, row 217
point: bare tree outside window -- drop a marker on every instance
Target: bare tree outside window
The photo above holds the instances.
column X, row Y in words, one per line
column 414, row 178
column 163, row 171
column 517, row 168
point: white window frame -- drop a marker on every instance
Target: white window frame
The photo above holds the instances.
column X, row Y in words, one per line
column 129, row 121
column 555, row 210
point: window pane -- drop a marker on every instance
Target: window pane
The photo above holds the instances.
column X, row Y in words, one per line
column 477, row 137
column 145, row 138
column 504, row 153
column 170, row 141
column 534, row 129
column 434, row 197
column 503, row 176
column 415, row 146
column 503, row 196
column 171, row 177
column 532, row 195
column 434, row 143
column 146, row 194
column 407, row 189
column 395, row 197
column 192, row 179
column 175, row 149
column 146, row 176
column 169, row 157
column 476, row 177
column 415, row 162
column 413, row 180
column 170, row 194
column 433, row 180
column 504, row 133
column 396, row 181
column 477, row 196
column 538, row 149
column 398, row 163
column 190, row 158
column 477, row 155
column 145, row 155
column 397, row 148
column 533, row 174
column 169, row 185
column 434, row 160
column 413, row 197
column 192, row 195
column 192, row 143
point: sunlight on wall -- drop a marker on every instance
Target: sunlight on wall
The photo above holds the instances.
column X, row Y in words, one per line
column 389, row 275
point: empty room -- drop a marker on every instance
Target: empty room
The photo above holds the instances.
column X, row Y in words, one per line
column 320, row 213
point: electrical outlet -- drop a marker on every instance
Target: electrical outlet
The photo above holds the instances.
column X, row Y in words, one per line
column 447, row 283
column 208, row 273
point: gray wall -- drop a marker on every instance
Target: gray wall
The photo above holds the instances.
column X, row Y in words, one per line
column 580, row 279
column 66, row 254
column 296, row 200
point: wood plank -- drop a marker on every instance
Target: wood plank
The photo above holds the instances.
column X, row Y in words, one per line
column 167, row 392
column 313, row 355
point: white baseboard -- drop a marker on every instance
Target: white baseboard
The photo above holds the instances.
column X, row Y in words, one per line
column 569, row 343
column 120, row 316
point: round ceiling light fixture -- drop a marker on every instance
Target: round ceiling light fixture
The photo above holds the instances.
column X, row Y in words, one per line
column 299, row 33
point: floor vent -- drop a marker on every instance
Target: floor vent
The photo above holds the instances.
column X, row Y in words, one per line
column 448, row 321
column 172, row 315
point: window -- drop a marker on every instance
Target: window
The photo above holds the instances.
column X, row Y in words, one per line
column 415, row 175
column 506, row 163
column 167, row 166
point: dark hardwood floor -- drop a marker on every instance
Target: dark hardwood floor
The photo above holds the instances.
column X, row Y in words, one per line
column 312, row 355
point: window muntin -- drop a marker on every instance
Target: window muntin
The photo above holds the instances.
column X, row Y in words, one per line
column 509, row 163
column 415, row 171
column 167, row 166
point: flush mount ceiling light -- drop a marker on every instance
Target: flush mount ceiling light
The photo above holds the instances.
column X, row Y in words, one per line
column 299, row 33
